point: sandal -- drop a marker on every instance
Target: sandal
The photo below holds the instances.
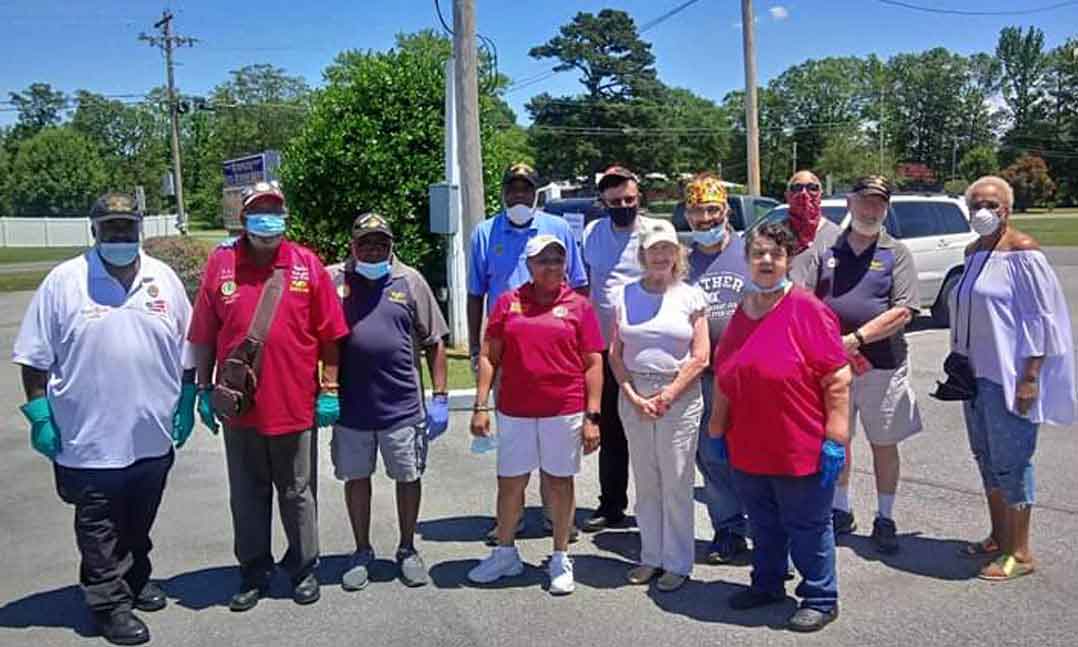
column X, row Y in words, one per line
column 978, row 549
column 1005, row 568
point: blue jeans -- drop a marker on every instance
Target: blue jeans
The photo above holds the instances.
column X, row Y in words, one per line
column 791, row 513
column 1002, row 443
column 723, row 505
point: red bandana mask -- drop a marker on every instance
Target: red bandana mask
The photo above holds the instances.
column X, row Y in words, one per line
column 804, row 217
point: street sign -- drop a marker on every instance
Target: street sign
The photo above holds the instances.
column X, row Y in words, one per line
column 245, row 171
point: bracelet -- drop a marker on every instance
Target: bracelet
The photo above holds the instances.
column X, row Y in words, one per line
column 479, row 408
column 437, row 393
column 330, row 386
column 859, row 337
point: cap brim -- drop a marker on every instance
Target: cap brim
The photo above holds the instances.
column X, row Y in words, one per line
column 263, row 197
column 664, row 238
column 555, row 243
column 874, row 191
column 356, row 235
column 116, row 216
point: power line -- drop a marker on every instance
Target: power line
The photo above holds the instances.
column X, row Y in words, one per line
column 961, row 12
column 651, row 24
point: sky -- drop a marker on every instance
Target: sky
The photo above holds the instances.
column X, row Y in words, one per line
column 93, row 44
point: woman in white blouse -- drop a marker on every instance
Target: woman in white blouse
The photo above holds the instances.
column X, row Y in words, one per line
column 659, row 348
column 1009, row 317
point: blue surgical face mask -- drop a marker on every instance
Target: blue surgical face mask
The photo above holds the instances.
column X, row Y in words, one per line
column 753, row 287
column 266, row 225
column 118, row 254
column 709, row 237
column 372, row 271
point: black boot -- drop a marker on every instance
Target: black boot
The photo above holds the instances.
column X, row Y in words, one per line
column 121, row 627
column 151, row 598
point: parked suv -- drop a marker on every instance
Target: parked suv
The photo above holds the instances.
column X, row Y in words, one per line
column 936, row 230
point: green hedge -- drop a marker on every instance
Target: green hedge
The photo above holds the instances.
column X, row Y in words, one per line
column 185, row 255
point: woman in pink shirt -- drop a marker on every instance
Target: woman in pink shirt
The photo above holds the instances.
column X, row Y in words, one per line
column 781, row 402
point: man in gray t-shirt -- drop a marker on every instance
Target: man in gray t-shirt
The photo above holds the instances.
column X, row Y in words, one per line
column 610, row 249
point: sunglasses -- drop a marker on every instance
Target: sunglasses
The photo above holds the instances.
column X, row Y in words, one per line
column 985, row 204
column 798, row 187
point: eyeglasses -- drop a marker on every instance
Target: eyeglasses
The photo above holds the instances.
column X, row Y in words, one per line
column 798, row 187
column 984, row 204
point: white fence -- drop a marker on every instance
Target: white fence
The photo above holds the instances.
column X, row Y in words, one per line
column 70, row 232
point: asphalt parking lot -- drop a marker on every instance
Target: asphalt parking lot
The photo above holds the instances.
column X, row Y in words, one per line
column 925, row 595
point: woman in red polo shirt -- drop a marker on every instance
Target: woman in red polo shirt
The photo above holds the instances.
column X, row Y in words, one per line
column 781, row 402
column 543, row 341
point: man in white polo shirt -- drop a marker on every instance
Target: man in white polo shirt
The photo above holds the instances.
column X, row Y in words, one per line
column 109, row 394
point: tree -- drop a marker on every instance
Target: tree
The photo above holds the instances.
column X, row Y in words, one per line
column 606, row 48
column 1024, row 66
column 374, row 141
column 56, row 172
column 39, row 107
column 132, row 141
column 5, row 183
column 850, row 155
column 1029, row 178
column 978, row 162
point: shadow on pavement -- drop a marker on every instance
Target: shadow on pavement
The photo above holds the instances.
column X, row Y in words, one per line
column 600, row 572
column 467, row 528
column 925, row 556
column 57, row 608
column 707, row 602
column 624, row 544
column 453, row 574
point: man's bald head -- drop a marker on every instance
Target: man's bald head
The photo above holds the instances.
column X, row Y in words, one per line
column 803, row 177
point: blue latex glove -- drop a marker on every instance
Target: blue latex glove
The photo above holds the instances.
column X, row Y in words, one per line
column 205, row 409
column 183, row 419
column 719, row 447
column 44, row 437
column 437, row 416
column 327, row 409
column 832, row 460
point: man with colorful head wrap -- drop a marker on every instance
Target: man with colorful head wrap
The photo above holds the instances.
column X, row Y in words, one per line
column 803, row 195
column 717, row 266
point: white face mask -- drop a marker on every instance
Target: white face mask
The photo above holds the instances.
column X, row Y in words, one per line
column 864, row 228
column 985, row 222
column 520, row 214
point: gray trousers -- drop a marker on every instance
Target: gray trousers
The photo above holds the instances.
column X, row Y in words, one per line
column 256, row 465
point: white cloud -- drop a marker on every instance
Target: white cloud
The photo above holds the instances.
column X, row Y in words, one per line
column 779, row 12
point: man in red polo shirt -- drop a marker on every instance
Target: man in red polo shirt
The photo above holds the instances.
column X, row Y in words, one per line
column 273, row 443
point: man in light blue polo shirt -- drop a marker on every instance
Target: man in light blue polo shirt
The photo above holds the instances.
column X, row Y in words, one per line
column 496, row 259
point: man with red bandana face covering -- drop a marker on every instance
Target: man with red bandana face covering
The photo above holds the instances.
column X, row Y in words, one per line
column 803, row 193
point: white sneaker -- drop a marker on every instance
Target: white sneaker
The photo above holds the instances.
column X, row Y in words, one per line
column 504, row 561
column 560, row 570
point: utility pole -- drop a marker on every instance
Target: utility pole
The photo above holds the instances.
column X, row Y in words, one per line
column 752, row 126
column 879, row 127
column 469, row 151
column 954, row 159
column 166, row 42
column 795, row 159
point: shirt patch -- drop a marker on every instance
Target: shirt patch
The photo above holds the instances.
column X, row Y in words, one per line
column 343, row 291
column 228, row 288
column 93, row 313
column 499, row 249
column 559, row 312
column 832, row 263
column 300, row 273
column 515, row 307
column 876, row 265
column 396, row 296
column 157, row 306
column 299, row 286
column 153, row 291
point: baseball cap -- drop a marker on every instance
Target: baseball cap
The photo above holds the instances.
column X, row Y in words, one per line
column 521, row 171
column 114, row 205
column 659, row 231
column 538, row 243
column 262, row 191
column 873, row 185
column 370, row 223
column 615, row 175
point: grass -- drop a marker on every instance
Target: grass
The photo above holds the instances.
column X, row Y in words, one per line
column 21, row 281
column 34, row 254
column 214, row 235
column 1051, row 232
column 1063, row 212
column 460, row 373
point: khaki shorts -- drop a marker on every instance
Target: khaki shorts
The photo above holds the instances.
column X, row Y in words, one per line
column 884, row 402
column 404, row 452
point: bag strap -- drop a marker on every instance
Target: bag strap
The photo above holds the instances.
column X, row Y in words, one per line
column 969, row 300
column 267, row 306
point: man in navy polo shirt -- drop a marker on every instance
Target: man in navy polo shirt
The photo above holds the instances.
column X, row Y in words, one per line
column 497, row 262
column 870, row 282
column 392, row 315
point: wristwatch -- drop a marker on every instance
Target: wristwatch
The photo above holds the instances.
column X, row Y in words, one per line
column 594, row 417
column 859, row 337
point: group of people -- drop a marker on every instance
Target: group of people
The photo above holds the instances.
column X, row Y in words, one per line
column 748, row 356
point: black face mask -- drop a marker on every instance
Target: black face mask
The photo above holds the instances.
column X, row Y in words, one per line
column 622, row 216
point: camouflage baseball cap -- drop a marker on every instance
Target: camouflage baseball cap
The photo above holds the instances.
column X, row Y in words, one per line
column 873, row 185
column 115, row 205
column 370, row 223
